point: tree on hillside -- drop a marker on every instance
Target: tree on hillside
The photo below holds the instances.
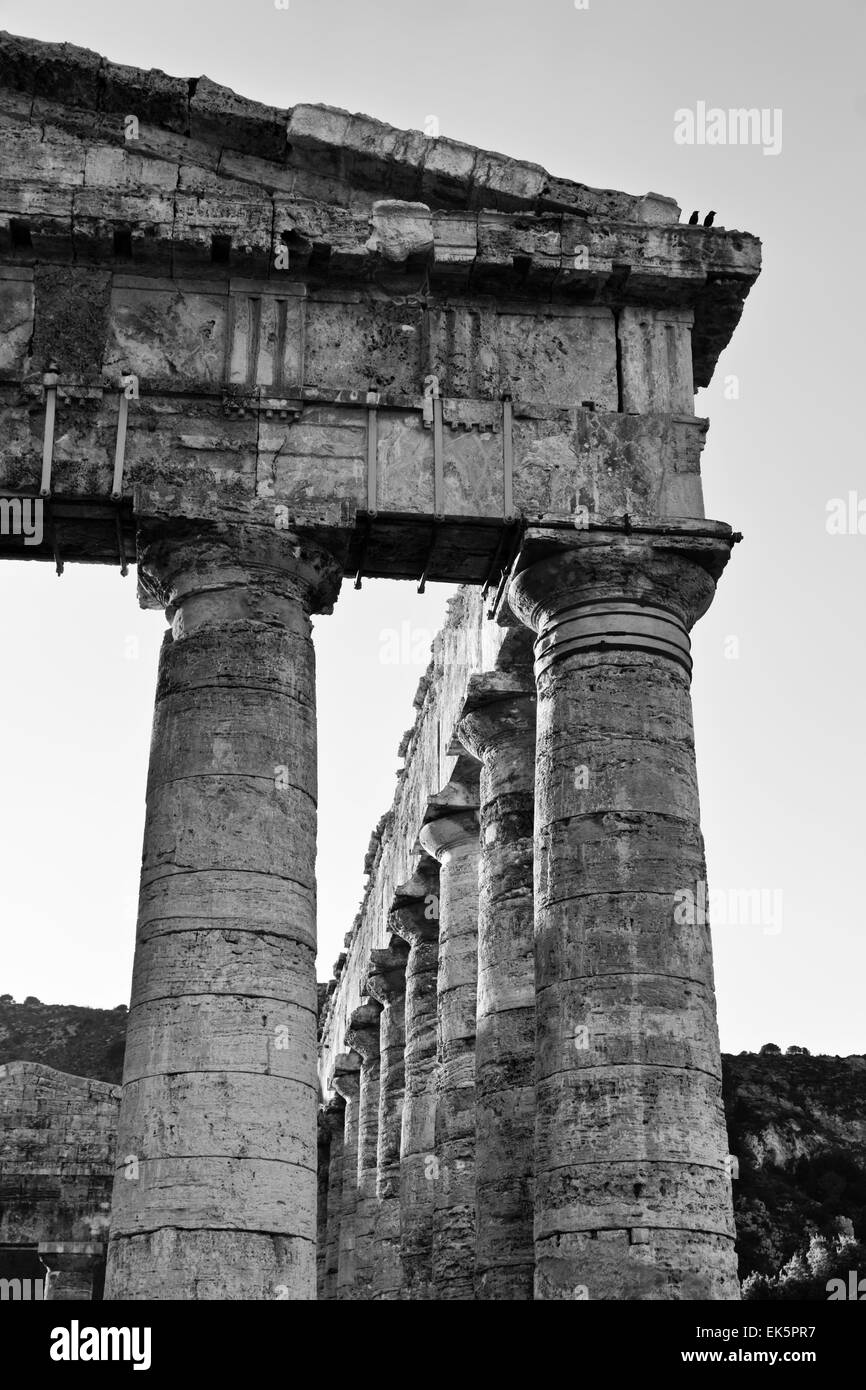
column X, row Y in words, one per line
column 811, row 1270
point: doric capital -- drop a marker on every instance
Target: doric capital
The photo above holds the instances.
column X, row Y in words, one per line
column 461, row 791
column 499, row 715
column 347, row 1075
column 219, row 571
column 414, row 913
column 362, row 1030
column 607, row 590
column 386, row 976
column 450, row 835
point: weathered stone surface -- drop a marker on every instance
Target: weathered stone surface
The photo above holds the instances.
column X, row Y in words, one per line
column 415, row 918
column 250, row 266
column 329, row 148
column 453, row 841
column 323, row 1160
column 362, row 1036
column 260, row 349
column 624, row 1035
column 335, row 1123
column 216, row 1126
column 401, row 230
column 347, row 1083
column 73, row 1270
column 498, row 727
column 469, row 642
column 386, row 981
column 57, row 1155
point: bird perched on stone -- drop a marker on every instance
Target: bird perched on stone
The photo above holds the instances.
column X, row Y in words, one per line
column 709, row 219
column 693, row 220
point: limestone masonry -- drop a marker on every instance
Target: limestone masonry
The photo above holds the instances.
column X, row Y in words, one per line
column 256, row 352
column 57, row 1162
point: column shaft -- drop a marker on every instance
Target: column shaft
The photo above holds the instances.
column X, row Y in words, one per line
column 454, row 842
column 362, row 1035
column 323, row 1162
column 417, row 1139
column 336, row 1124
column 347, row 1083
column 387, row 982
column 499, row 728
column 632, row 1196
column 215, row 1195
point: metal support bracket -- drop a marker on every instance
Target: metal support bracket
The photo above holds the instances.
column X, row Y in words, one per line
column 49, row 382
column 372, row 451
column 128, row 391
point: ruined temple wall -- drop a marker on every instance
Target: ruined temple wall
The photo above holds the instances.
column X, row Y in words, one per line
column 468, row 643
column 57, row 1151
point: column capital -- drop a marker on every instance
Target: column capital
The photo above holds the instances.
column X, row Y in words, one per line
column 347, row 1075
column 231, row 571
column 461, row 792
column 447, row 836
column 608, row 590
column 386, row 973
column 414, row 913
column 362, row 1030
column 499, row 710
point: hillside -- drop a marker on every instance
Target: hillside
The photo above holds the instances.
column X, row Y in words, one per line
column 798, row 1127
column 85, row 1042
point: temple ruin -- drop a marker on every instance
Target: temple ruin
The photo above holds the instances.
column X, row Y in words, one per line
column 57, row 1164
column 257, row 353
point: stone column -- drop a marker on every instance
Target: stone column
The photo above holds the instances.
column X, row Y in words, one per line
column 414, row 918
column 74, row 1270
column 215, row 1193
column 323, row 1163
column 347, row 1083
column 498, row 727
column 334, row 1116
column 632, row 1196
column 453, row 840
column 386, row 981
column 362, row 1035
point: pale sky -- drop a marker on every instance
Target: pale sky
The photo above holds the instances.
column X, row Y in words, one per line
column 591, row 94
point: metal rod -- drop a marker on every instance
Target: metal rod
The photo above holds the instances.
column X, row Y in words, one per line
column 494, row 563
column 519, row 530
column 120, row 446
column 49, row 381
column 372, row 452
